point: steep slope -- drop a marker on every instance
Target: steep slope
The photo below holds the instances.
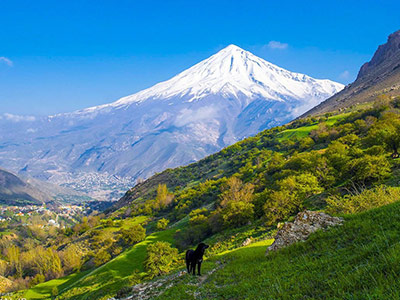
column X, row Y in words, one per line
column 15, row 191
column 380, row 75
column 104, row 149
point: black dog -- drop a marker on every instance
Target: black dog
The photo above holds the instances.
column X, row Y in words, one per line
column 194, row 258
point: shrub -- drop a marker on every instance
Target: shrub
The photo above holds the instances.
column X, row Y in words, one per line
column 39, row 278
column 367, row 199
column 161, row 258
column 134, row 234
column 369, row 169
column 236, row 207
column 102, row 257
column 162, row 224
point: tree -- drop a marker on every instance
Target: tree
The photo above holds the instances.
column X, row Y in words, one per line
column 101, row 257
column 369, row 169
column 163, row 198
column 235, row 205
column 234, row 191
column 13, row 255
column 162, row 224
column 161, row 258
column 134, row 234
column 387, row 132
column 289, row 198
column 71, row 258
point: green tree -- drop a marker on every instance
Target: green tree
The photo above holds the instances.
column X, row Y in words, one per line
column 386, row 131
column 162, row 224
column 289, row 198
column 369, row 169
column 235, row 206
column 134, row 234
column 101, row 257
column 161, row 258
column 163, row 198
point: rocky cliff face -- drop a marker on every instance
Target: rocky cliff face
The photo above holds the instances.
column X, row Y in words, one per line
column 379, row 76
column 386, row 57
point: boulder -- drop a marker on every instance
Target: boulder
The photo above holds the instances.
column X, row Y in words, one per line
column 306, row 222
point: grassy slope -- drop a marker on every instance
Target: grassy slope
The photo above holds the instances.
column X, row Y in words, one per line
column 108, row 278
column 304, row 131
column 359, row 260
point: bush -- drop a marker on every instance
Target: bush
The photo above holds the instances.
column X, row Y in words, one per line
column 162, row 224
column 134, row 234
column 369, row 169
column 102, row 257
column 54, row 292
column 161, row 258
column 367, row 199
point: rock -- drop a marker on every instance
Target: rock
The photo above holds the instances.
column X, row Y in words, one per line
column 306, row 222
column 247, row 241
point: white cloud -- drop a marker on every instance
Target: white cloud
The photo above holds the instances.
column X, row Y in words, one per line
column 344, row 75
column 6, row 60
column 17, row 118
column 31, row 130
column 277, row 45
column 187, row 116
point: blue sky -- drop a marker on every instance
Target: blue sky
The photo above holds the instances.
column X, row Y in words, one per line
column 58, row 56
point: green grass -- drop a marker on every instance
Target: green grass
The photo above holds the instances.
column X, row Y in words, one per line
column 304, row 131
column 43, row 290
column 358, row 260
column 107, row 279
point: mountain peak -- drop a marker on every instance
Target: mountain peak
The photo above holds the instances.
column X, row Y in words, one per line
column 238, row 74
column 231, row 48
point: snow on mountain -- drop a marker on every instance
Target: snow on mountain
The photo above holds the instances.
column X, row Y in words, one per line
column 225, row 98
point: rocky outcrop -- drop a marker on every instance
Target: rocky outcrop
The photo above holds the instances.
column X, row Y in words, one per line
column 381, row 75
column 386, row 54
column 306, row 222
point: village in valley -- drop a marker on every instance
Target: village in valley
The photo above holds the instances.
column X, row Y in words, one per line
column 42, row 215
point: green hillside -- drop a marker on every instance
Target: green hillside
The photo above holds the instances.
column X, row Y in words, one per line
column 358, row 260
column 344, row 164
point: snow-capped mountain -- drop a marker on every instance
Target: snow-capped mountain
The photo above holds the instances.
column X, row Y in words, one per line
column 225, row 98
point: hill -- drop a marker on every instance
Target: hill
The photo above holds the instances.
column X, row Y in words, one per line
column 379, row 76
column 15, row 191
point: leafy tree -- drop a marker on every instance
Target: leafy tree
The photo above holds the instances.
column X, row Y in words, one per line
column 101, row 257
column 369, row 169
column 386, row 132
column 134, row 234
column 236, row 206
column 71, row 258
column 163, row 198
column 289, row 197
column 161, row 258
column 162, row 224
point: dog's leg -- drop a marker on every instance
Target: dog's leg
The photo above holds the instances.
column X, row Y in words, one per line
column 188, row 266
column 198, row 268
column 194, row 268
